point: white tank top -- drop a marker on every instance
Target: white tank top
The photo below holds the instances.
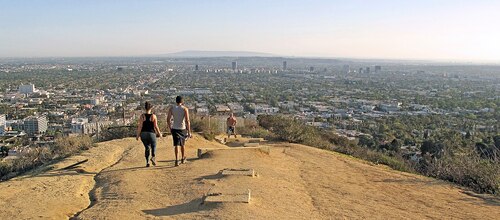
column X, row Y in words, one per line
column 179, row 115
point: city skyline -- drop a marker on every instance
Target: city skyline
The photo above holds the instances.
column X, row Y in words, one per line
column 425, row 30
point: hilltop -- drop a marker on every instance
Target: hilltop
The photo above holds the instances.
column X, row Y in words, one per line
column 293, row 182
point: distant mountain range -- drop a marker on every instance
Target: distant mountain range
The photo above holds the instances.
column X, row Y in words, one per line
column 200, row 53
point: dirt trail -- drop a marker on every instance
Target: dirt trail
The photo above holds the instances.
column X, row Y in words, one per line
column 293, row 182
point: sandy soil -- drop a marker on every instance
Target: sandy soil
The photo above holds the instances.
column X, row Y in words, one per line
column 293, row 182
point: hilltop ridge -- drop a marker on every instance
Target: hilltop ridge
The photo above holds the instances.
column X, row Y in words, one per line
column 293, row 182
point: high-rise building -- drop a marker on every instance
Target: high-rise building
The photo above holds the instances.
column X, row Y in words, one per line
column 35, row 125
column 196, row 67
column 360, row 70
column 346, row 69
column 234, row 65
column 2, row 124
column 378, row 68
column 284, row 65
column 27, row 89
column 311, row 69
column 367, row 70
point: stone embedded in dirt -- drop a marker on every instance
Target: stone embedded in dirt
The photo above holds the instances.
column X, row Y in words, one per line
column 255, row 140
column 238, row 172
column 231, row 197
column 263, row 149
column 251, row 144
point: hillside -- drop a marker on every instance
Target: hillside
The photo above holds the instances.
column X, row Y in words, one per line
column 292, row 182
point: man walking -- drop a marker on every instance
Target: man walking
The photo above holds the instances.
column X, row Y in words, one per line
column 231, row 126
column 180, row 127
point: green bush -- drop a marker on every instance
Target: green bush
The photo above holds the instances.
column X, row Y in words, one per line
column 256, row 132
column 207, row 128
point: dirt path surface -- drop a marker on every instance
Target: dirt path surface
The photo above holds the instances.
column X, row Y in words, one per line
column 293, row 182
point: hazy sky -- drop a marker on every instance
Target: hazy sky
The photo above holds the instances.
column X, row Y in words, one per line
column 401, row 29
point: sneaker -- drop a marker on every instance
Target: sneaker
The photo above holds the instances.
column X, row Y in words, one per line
column 153, row 161
column 147, row 165
column 183, row 160
column 176, row 163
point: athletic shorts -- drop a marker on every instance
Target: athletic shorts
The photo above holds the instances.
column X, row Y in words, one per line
column 230, row 129
column 179, row 137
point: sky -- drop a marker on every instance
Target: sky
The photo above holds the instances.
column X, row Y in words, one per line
column 454, row 30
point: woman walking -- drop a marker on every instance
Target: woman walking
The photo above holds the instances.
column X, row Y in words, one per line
column 147, row 131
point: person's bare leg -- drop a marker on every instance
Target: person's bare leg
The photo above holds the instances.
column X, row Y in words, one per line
column 176, row 157
column 182, row 153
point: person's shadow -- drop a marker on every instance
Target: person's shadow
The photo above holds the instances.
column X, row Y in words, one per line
column 189, row 207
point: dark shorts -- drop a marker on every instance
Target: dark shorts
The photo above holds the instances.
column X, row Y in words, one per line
column 179, row 137
column 230, row 130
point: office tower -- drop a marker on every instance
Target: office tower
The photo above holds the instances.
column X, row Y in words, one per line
column 35, row 125
column 360, row 70
column 346, row 69
column 196, row 67
column 367, row 70
column 378, row 68
column 311, row 69
column 234, row 65
column 27, row 89
column 2, row 124
column 284, row 65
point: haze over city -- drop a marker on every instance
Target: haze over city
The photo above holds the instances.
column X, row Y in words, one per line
column 443, row 30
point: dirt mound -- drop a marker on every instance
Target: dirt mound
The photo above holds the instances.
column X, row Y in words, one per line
column 292, row 182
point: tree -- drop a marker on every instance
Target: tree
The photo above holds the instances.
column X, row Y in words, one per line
column 496, row 140
column 366, row 141
column 432, row 148
column 395, row 145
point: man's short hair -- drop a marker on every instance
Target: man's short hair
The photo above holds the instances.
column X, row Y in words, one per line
column 179, row 99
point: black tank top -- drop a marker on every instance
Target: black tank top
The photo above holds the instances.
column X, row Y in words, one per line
column 148, row 125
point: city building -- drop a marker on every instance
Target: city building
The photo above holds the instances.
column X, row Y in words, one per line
column 234, row 65
column 284, row 65
column 3, row 124
column 196, row 68
column 265, row 110
column 346, row 69
column 367, row 70
column 27, row 89
column 311, row 69
column 378, row 68
column 34, row 125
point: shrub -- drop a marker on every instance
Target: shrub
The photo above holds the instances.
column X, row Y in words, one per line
column 467, row 169
column 4, row 169
column 207, row 128
column 112, row 133
column 70, row 145
column 256, row 132
column 38, row 156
